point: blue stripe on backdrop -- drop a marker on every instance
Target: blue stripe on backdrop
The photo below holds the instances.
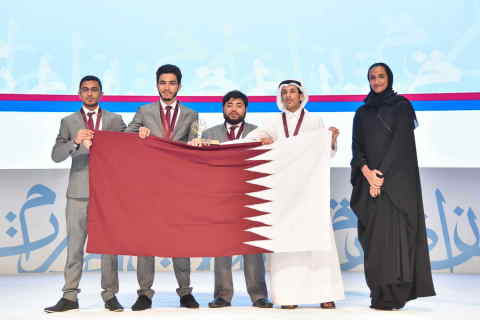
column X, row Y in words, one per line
column 210, row 107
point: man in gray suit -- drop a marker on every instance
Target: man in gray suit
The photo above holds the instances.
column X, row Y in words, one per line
column 73, row 140
column 169, row 119
column 235, row 105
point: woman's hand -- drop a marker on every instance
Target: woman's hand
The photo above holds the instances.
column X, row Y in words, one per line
column 372, row 177
column 374, row 192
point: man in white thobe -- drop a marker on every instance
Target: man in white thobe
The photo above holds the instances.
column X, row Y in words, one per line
column 307, row 277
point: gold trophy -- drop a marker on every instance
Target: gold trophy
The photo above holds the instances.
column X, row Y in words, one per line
column 197, row 128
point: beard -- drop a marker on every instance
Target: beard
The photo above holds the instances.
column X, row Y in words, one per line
column 91, row 106
column 168, row 100
column 233, row 121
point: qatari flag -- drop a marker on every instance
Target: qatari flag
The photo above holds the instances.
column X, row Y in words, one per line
column 154, row 197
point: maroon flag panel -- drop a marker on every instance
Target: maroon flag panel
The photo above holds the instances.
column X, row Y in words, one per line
column 154, row 197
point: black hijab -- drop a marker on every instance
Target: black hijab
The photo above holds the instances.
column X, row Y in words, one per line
column 387, row 97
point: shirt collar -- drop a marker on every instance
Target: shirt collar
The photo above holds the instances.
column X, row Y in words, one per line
column 163, row 104
column 86, row 110
column 229, row 125
column 295, row 114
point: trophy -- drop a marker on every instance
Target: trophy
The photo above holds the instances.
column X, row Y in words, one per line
column 197, row 128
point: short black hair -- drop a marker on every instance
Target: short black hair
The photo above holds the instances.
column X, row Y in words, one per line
column 235, row 94
column 170, row 68
column 289, row 82
column 91, row 78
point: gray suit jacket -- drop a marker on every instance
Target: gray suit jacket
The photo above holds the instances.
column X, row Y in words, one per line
column 220, row 133
column 148, row 116
column 65, row 147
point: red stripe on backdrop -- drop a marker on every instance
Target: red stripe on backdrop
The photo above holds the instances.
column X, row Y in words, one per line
column 313, row 98
column 411, row 96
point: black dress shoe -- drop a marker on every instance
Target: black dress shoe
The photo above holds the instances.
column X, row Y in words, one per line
column 143, row 302
column 113, row 305
column 263, row 303
column 328, row 305
column 62, row 305
column 219, row 303
column 188, row 301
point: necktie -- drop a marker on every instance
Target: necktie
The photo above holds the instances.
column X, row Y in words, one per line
column 168, row 119
column 90, row 124
column 232, row 132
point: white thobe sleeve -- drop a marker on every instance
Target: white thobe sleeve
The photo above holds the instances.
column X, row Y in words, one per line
column 265, row 132
column 333, row 152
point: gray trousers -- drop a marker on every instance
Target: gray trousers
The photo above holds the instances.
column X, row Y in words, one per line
column 76, row 213
column 254, row 270
column 146, row 274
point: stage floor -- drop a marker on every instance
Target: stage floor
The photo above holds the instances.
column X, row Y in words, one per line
column 25, row 296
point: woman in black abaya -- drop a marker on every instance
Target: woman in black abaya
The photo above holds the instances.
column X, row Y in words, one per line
column 387, row 196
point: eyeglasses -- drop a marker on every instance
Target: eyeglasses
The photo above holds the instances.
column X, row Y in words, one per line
column 93, row 89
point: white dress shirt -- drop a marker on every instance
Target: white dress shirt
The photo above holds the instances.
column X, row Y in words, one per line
column 238, row 125
column 94, row 117
column 172, row 111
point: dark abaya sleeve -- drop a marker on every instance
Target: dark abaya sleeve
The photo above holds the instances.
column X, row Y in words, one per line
column 359, row 159
column 402, row 137
column 400, row 166
column 360, row 190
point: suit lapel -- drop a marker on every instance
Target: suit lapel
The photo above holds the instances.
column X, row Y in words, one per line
column 245, row 130
column 105, row 120
column 179, row 126
column 244, row 133
column 79, row 120
column 224, row 131
column 157, row 119
column 248, row 128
